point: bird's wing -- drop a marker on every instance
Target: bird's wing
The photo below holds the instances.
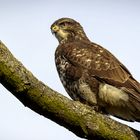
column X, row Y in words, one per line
column 105, row 68
column 99, row 63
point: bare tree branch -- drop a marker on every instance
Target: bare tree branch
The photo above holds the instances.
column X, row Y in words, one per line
column 75, row 116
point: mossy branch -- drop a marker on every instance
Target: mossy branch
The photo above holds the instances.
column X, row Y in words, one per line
column 75, row 116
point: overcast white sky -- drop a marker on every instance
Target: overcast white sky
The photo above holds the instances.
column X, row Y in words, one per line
column 25, row 29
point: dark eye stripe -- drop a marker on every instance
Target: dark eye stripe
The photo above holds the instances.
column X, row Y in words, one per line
column 65, row 23
column 62, row 24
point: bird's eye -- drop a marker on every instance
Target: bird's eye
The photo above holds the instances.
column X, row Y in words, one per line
column 63, row 24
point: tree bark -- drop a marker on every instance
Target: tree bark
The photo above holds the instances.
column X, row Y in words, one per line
column 73, row 115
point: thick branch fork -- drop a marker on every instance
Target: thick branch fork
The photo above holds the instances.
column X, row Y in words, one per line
column 75, row 116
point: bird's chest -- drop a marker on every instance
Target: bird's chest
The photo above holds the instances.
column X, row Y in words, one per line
column 64, row 69
column 62, row 65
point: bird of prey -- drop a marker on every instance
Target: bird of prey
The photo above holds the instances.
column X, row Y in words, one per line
column 92, row 75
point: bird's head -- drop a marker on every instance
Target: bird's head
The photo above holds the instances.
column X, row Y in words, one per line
column 67, row 29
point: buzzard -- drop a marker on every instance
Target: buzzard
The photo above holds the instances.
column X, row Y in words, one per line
column 92, row 75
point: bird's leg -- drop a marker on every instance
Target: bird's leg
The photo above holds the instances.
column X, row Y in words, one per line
column 99, row 109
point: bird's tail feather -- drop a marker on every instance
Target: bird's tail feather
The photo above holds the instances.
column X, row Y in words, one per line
column 133, row 104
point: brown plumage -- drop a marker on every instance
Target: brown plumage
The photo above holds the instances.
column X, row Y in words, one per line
column 92, row 75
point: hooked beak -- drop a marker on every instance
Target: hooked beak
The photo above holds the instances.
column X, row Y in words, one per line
column 54, row 29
